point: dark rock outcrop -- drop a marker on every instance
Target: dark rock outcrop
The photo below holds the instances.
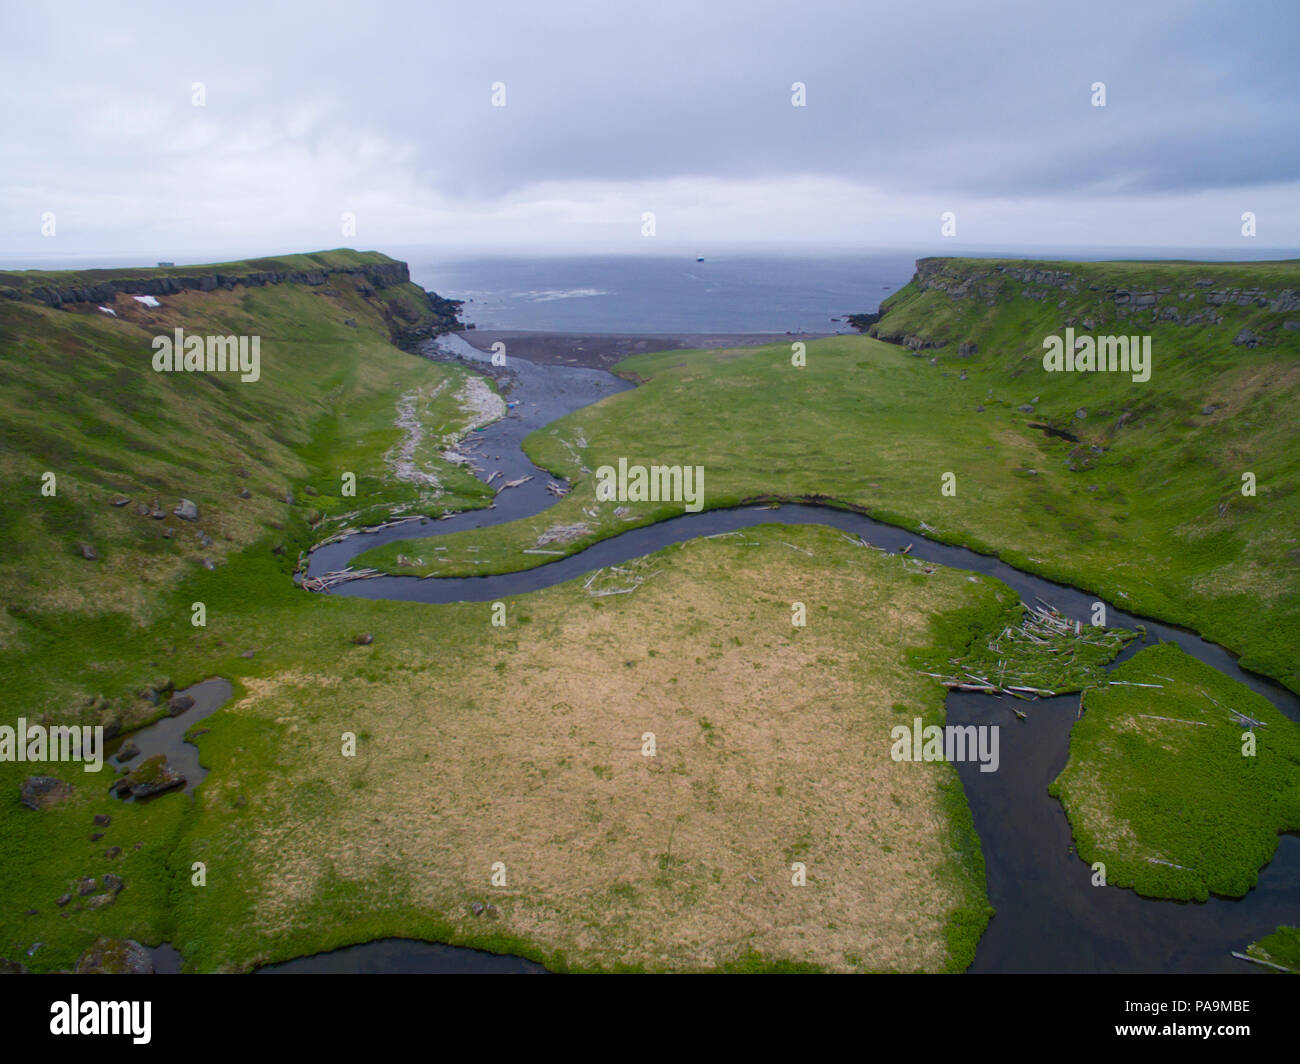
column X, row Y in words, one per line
column 178, row 704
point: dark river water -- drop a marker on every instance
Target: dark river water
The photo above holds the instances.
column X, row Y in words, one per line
column 1049, row 917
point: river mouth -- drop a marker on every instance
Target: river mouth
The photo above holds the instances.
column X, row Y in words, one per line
column 1049, row 918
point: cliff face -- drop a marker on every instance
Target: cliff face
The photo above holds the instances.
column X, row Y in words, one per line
column 412, row 314
column 1253, row 303
column 54, row 294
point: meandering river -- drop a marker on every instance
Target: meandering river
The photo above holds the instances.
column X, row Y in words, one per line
column 1049, row 916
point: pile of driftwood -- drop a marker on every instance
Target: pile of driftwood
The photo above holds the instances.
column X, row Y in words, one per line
column 1044, row 639
column 342, row 576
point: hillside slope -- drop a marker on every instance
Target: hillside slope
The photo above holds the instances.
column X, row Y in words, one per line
column 1220, row 403
column 99, row 448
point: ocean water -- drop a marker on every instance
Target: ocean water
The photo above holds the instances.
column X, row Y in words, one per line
column 664, row 294
column 732, row 291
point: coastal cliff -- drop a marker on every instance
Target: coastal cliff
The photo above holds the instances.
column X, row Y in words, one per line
column 1243, row 304
column 412, row 315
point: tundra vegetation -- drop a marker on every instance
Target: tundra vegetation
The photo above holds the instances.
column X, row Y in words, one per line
column 523, row 744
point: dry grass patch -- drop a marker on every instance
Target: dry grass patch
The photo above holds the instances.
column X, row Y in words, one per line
column 523, row 745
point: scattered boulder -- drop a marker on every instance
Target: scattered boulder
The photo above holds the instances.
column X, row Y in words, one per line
column 95, row 836
column 1080, row 414
column 86, row 886
column 115, row 956
column 1208, row 409
column 119, row 500
column 63, row 900
column 477, row 908
column 113, row 852
column 103, row 820
column 88, row 552
column 98, row 901
column 364, row 639
column 113, row 883
column 1246, row 338
column 41, row 792
column 244, row 493
column 1026, row 408
column 247, row 654
column 127, row 751
column 179, row 704
column 965, row 350
column 186, row 510
column 8, row 967
column 309, row 490
column 142, row 509
column 979, row 409
column 349, row 323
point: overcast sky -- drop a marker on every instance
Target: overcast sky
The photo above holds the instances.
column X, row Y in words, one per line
column 612, row 109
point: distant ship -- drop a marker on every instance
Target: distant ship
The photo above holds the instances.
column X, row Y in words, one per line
column 699, row 258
